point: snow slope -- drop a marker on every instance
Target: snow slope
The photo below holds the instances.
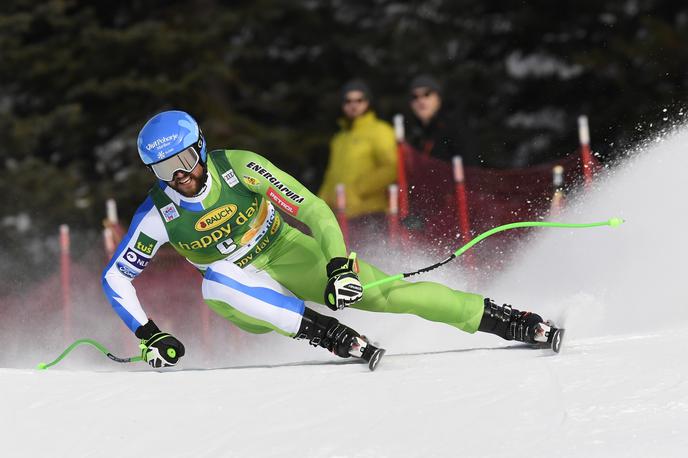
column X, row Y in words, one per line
column 619, row 387
column 607, row 396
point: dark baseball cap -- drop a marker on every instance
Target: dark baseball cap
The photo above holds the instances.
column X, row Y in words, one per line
column 356, row 85
column 425, row 81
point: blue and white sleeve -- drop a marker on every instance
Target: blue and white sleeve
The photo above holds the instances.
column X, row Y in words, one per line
column 145, row 236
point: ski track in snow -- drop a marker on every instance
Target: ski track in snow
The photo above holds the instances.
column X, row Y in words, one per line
column 619, row 387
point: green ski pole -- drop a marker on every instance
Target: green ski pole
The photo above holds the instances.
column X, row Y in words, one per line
column 613, row 222
column 93, row 343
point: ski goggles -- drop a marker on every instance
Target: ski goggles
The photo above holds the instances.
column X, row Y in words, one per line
column 185, row 161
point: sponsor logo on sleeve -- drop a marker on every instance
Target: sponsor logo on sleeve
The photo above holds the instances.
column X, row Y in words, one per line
column 230, row 178
column 276, row 183
column 135, row 259
column 282, row 203
column 250, row 181
column 169, row 212
column 145, row 244
column 126, row 270
column 215, row 218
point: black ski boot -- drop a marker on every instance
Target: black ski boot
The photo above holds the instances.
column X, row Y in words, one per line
column 510, row 324
column 327, row 332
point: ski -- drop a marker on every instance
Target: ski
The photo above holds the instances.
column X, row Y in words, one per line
column 555, row 338
column 375, row 358
column 549, row 336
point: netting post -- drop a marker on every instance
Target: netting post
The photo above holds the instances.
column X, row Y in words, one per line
column 402, row 180
column 586, row 154
column 461, row 199
column 558, row 197
column 65, row 280
column 393, row 227
column 462, row 204
column 111, row 223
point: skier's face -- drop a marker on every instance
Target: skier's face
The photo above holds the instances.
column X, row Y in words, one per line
column 188, row 183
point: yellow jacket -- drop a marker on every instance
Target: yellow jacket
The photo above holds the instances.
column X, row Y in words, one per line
column 362, row 157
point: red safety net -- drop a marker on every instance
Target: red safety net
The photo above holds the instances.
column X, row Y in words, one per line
column 494, row 196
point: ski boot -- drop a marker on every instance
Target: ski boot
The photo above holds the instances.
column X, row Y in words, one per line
column 510, row 324
column 327, row 332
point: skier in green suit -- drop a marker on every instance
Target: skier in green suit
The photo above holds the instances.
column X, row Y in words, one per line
column 218, row 209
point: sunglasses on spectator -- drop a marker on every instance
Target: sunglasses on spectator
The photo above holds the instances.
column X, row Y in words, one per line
column 350, row 101
column 421, row 94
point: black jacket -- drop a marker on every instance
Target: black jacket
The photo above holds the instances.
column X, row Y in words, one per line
column 443, row 138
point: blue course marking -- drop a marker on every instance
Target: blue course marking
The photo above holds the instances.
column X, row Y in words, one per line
column 264, row 294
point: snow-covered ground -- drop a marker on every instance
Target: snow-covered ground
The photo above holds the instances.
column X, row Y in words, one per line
column 606, row 396
column 619, row 387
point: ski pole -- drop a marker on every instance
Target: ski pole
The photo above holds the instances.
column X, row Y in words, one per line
column 613, row 222
column 93, row 343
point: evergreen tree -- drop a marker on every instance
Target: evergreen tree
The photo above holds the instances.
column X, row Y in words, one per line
column 78, row 79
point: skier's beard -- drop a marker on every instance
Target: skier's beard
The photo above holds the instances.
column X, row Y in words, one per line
column 203, row 180
column 191, row 184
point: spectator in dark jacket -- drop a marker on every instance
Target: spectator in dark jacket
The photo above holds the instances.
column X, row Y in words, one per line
column 432, row 130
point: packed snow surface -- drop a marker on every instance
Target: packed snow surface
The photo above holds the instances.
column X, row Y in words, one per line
column 619, row 387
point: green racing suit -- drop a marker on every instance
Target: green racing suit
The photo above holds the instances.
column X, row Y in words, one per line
column 258, row 270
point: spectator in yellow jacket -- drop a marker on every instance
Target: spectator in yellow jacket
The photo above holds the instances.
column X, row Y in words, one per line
column 362, row 155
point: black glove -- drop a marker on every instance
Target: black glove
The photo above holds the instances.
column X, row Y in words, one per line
column 159, row 349
column 343, row 287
